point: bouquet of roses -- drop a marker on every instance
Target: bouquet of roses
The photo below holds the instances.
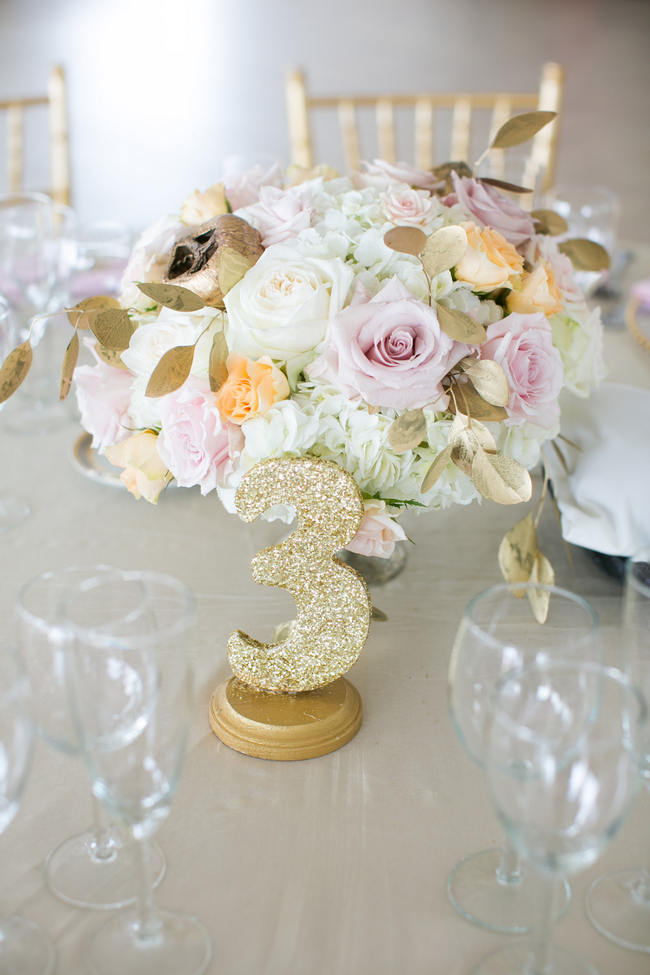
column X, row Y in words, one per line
column 414, row 327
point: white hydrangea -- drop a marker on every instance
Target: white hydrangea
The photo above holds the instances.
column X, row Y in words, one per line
column 578, row 335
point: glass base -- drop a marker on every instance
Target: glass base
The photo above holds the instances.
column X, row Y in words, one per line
column 519, row 959
column 13, row 511
column 616, row 908
column 377, row 571
column 480, row 897
column 181, row 946
column 24, row 948
column 77, row 875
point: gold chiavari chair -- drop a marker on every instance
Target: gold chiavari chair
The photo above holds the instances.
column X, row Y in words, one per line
column 15, row 109
column 538, row 167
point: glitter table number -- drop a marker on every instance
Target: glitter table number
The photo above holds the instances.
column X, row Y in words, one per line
column 289, row 699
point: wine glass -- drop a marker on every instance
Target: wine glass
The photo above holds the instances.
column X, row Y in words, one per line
column 496, row 634
column 37, row 252
column 93, row 868
column 131, row 692
column 618, row 904
column 591, row 212
column 24, row 948
column 562, row 760
column 13, row 509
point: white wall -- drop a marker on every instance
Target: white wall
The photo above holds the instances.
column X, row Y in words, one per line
column 161, row 90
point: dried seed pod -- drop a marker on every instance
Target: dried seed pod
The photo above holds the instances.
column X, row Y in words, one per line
column 196, row 257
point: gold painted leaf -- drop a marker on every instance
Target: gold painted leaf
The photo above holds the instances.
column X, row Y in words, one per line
column 465, row 441
column 459, row 326
column 76, row 315
column 500, row 478
column 521, row 128
column 502, row 184
column 232, row 268
column 217, row 370
column 539, row 600
column 482, row 433
column 488, row 379
column 112, row 357
column 407, row 431
column 443, row 250
column 378, row 615
column 171, row 372
column 517, row 551
column 69, row 362
column 549, row 222
column 469, row 401
column 171, row 296
column 14, row 369
column 406, row 240
column 585, row 254
column 112, row 328
column 436, row 469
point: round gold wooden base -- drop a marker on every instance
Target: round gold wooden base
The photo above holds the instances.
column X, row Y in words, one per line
column 285, row 727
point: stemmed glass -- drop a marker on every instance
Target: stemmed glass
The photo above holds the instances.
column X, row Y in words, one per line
column 93, row 868
column 618, row 904
column 497, row 634
column 13, row 509
column 562, row 761
column 37, row 253
column 24, row 948
column 131, row 693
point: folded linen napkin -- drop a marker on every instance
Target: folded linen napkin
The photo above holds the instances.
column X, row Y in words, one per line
column 604, row 500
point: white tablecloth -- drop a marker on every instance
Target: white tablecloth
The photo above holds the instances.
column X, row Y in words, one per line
column 334, row 866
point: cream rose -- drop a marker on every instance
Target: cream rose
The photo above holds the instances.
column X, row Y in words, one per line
column 489, row 260
column 281, row 307
column 538, row 292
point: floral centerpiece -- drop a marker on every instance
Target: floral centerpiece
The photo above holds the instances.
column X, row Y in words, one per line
column 415, row 327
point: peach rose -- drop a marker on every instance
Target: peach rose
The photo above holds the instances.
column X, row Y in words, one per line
column 251, row 388
column 489, row 260
column 144, row 474
column 377, row 532
column 539, row 292
column 199, row 207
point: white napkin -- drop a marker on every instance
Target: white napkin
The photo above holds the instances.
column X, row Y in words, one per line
column 604, row 500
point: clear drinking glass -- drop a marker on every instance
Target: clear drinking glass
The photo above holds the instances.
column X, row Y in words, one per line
column 591, row 212
column 13, row 508
column 93, row 868
column 498, row 634
column 24, row 949
column 102, row 253
column 131, row 692
column 562, row 760
column 618, row 904
column 37, row 253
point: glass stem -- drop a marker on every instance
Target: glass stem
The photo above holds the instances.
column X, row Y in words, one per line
column 642, row 889
column 103, row 845
column 148, row 923
column 543, row 926
column 509, row 869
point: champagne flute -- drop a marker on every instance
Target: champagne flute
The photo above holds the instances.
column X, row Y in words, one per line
column 93, row 868
column 13, row 509
column 618, row 904
column 131, row 692
column 24, row 948
column 496, row 634
column 562, row 760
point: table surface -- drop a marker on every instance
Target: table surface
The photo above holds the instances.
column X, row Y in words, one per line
column 332, row 866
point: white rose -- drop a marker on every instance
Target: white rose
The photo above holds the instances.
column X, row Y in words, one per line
column 151, row 340
column 144, row 410
column 578, row 336
column 281, row 306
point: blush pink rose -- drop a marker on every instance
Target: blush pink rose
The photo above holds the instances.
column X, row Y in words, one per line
column 561, row 266
column 280, row 214
column 492, row 209
column 377, row 533
column 103, row 396
column 523, row 347
column 193, row 443
column 243, row 185
column 390, row 351
column 408, row 207
column 381, row 173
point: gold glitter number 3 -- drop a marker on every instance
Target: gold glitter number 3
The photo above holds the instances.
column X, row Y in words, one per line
column 333, row 602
